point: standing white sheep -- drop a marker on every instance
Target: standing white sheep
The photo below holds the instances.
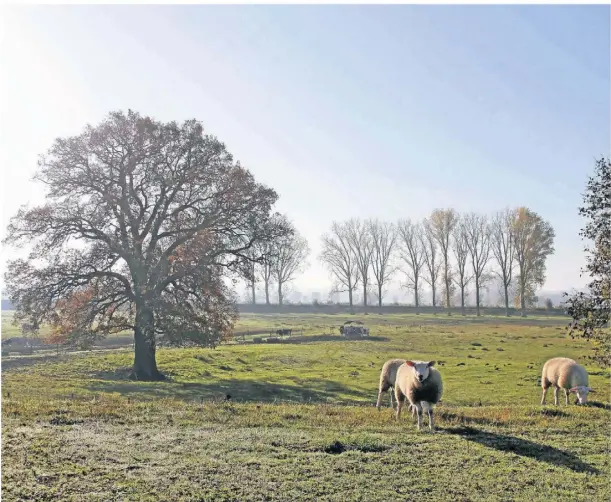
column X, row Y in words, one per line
column 421, row 384
column 565, row 373
column 387, row 379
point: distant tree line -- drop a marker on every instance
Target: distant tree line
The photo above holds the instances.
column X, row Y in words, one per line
column 448, row 251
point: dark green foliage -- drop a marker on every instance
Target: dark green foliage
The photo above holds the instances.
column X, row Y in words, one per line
column 591, row 311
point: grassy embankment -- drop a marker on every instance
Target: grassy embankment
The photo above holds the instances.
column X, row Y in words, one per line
column 300, row 424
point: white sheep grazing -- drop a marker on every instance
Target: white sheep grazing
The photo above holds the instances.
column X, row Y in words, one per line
column 565, row 373
column 421, row 384
column 387, row 379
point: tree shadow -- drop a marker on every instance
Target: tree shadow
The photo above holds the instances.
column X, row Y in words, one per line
column 524, row 448
column 312, row 390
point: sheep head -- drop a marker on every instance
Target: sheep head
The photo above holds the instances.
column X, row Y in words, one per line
column 421, row 369
column 582, row 393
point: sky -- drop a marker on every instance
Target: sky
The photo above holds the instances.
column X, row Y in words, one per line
column 347, row 111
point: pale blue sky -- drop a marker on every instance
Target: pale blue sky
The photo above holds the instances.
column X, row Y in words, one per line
column 385, row 111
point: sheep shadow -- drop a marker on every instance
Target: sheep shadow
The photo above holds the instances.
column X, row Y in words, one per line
column 596, row 404
column 524, row 448
column 459, row 418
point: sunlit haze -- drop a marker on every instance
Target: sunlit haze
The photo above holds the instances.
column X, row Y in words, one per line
column 357, row 111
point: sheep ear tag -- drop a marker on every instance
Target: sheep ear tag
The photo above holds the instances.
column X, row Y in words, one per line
column 410, row 363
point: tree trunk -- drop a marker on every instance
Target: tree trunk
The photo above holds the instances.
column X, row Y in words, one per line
column 416, row 299
column 267, row 292
column 462, row 299
column 350, row 298
column 380, row 298
column 252, row 290
column 477, row 296
column 447, row 278
column 145, row 364
column 522, row 299
column 506, row 300
column 279, row 293
column 365, row 296
column 434, row 297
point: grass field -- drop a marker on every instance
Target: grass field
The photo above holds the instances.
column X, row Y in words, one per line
column 300, row 422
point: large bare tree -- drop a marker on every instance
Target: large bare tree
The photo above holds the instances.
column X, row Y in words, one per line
column 141, row 224
column 288, row 259
column 442, row 223
column 431, row 258
column 338, row 256
column 533, row 240
column 359, row 240
column 478, row 242
column 409, row 236
column 502, row 244
column 461, row 254
column 383, row 239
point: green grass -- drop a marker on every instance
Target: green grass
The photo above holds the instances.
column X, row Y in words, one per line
column 301, row 424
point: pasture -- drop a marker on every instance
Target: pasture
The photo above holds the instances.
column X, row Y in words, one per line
column 295, row 420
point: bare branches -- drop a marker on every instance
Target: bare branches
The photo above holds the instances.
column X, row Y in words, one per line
column 383, row 239
column 461, row 255
column 360, row 243
column 502, row 245
column 337, row 254
column 431, row 258
column 290, row 257
column 478, row 242
column 442, row 223
column 412, row 253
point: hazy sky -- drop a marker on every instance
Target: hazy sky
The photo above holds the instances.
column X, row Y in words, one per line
column 386, row 111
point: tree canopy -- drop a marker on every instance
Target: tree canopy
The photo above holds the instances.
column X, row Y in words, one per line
column 142, row 225
column 533, row 242
column 591, row 310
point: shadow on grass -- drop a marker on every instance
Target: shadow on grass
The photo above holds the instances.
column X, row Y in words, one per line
column 524, row 448
column 459, row 418
column 596, row 404
column 328, row 338
column 312, row 390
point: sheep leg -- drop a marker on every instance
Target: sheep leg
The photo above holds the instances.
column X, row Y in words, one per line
column 379, row 401
column 419, row 410
column 399, row 398
column 566, row 394
column 429, row 410
column 556, row 389
column 544, row 395
column 384, row 387
column 392, row 407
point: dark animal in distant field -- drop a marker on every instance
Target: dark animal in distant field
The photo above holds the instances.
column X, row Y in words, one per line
column 283, row 332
